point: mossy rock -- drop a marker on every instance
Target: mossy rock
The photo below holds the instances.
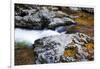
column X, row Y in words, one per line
column 73, row 29
column 22, row 44
column 70, row 52
column 89, row 48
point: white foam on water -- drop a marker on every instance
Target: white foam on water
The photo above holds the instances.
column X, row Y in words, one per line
column 32, row 35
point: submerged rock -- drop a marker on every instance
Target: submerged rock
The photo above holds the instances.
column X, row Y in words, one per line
column 63, row 48
column 61, row 29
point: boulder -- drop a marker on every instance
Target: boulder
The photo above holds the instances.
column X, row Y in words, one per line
column 63, row 48
column 40, row 17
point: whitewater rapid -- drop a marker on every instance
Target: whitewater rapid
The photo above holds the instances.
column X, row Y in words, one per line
column 30, row 36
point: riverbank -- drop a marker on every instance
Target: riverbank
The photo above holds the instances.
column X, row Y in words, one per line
column 53, row 34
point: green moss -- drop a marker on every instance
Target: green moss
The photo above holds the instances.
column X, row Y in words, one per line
column 73, row 29
column 22, row 44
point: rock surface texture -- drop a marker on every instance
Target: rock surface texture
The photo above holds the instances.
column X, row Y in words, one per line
column 38, row 18
column 63, row 48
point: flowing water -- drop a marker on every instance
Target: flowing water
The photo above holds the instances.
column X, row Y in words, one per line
column 30, row 36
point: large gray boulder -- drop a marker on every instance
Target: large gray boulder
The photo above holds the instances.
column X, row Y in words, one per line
column 53, row 49
column 40, row 17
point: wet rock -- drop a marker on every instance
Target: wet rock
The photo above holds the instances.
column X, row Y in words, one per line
column 61, row 29
column 63, row 48
column 40, row 17
column 88, row 10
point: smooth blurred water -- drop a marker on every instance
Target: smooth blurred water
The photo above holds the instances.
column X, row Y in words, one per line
column 31, row 35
